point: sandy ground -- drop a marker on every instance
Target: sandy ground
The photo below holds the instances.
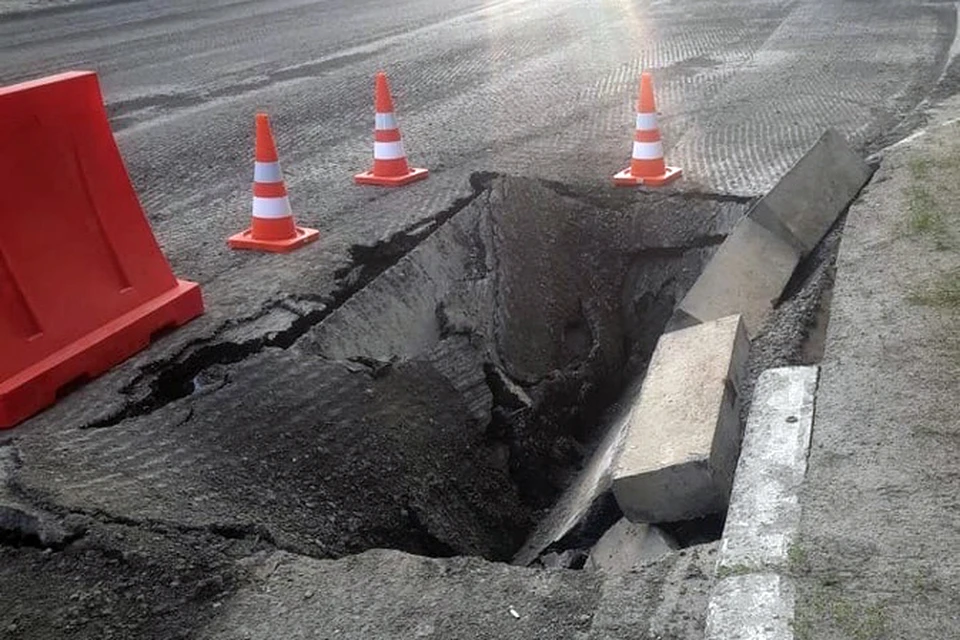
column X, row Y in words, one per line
column 876, row 557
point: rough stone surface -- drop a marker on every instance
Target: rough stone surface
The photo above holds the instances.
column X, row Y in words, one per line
column 356, row 598
column 118, row 581
column 764, row 513
column 627, row 544
column 751, row 607
column 665, row 598
column 463, row 598
column 378, row 418
column 745, row 276
column 803, row 206
column 683, row 437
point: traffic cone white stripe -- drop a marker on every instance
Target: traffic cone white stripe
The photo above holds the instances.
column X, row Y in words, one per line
column 267, row 172
column 386, row 122
column 647, row 121
column 271, row 207
column 388, row 150
column 390, row 167
column 272, row 227
column 647, row 165
column 647, row 150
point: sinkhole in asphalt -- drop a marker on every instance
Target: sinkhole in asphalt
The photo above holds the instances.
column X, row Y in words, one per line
column 451, row 388
column 508, row 334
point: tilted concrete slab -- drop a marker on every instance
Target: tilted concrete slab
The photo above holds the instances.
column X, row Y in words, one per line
column 627, row 544
column 683, row 436
column 764, row 513
column 745, row 276
column 753, row 265
column 807, row 200
column 664, row 598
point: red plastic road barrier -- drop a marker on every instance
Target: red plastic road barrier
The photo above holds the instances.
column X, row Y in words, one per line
column 83, row 284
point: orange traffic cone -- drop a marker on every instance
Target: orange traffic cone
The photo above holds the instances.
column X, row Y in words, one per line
column 390, row 168
column 647, row 166
column 273, row 228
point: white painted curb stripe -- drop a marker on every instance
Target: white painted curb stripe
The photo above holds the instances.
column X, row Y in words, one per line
column 764, row 513
column 386, row 121
column 647, row 150
column 271, row 207
column 646, row 121
column 755, row 597
column 388, row 150
column 758, row 606
column 267, row 172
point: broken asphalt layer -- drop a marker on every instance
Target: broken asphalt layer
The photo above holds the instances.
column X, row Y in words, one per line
column 381, row 406
column 403, row 415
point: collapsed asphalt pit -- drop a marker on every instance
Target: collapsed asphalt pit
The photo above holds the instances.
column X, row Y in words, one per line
column 440, row 408
column 529, row 310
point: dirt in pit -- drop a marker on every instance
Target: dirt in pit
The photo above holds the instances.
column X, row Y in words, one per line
column 534, row 305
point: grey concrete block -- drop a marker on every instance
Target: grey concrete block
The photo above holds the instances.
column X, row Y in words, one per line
column 683, row 436
column 751, row 607
column 764, row 513
column 753, row 265
column 807, row 200
column 628, row 544
column 746, row 276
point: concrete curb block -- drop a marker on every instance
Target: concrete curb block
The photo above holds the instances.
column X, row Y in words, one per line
column 764, row 510
column 754, row 597
column 751, row 607
column 683, row 437
column 754, row 264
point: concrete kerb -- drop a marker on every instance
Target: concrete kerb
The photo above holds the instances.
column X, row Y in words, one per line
column 754, row 264
column 751, row 607
column 682, row 440
column 754, row 597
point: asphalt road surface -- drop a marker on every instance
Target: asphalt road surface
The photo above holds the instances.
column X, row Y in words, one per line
column 530, row 87
column 539, row 88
